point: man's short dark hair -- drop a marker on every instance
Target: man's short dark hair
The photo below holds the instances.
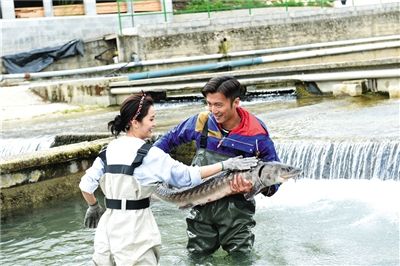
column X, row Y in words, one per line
column 227, row 85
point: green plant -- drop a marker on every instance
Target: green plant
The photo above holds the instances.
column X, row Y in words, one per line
column 326, row 3
column 288, row 3
column 209, row 5
column 216, row 5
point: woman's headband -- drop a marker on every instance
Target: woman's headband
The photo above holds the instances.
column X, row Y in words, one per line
column 140, row 106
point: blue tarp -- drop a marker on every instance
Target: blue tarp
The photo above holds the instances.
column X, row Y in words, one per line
column 39, row 59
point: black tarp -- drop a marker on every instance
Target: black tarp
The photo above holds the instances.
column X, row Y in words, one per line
column 38, row 59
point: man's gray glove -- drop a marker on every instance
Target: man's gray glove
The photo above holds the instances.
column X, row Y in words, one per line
column 239, row 163
column 93, row 215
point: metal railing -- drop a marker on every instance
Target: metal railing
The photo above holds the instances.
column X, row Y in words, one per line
column 126, row 9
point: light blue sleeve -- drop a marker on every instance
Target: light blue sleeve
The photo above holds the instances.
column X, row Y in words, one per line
column 158, row 166
column 90, row 181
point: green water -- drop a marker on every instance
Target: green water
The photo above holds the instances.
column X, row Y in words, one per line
column 308, row 222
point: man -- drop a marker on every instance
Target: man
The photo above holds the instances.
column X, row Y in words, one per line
column 226, row 130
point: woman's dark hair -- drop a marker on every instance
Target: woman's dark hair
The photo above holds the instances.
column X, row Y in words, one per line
column 135, row 107
column 227, row 85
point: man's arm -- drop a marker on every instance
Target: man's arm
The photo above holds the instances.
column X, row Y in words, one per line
column 182, row 133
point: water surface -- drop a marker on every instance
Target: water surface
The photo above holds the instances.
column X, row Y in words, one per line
column 308, row 222
column 343, row 211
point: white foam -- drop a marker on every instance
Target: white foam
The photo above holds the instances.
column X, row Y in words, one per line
column 382, row 197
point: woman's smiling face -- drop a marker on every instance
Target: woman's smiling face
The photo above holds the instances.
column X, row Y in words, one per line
column 148, row 123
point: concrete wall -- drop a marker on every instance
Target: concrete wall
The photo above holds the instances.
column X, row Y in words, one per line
column 196, row 34
column 47, row 164
column 31, row 180
column 81, row 91
column 23, row 35
column 391, row 86
column 98, row 52
column 261, row 31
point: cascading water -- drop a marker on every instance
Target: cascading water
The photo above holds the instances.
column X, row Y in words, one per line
column 361, row 159
column 16, row 146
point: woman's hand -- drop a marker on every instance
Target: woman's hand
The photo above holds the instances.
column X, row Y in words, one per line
column 239, row 163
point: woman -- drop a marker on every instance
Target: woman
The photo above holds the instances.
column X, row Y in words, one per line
column 127, row 233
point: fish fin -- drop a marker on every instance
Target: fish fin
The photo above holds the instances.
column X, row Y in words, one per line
column 248, row 196
column 257, row 187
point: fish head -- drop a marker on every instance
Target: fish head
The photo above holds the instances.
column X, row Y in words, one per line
column 266, row 174
column 277, row 172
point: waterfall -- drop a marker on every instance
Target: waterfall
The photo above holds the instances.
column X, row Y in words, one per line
column 361, row 159
column 17, row 146
column 319, row 159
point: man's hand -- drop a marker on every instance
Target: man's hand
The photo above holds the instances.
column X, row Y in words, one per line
column 240, row 185
column 239, row 163
column 93, row 215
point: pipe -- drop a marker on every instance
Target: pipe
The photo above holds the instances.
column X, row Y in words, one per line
column 263, row 59
column 196, row 68
column 364, row 74
column 331, row 51
column 332, row 76
column 88, row 70
column 50, row 74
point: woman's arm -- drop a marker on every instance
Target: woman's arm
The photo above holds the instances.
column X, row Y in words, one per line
column 90, row 181
column 158, row 166
column 89, row 197
column 209, row 170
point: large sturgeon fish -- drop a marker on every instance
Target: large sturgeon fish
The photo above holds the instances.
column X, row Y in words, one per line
column 263, row 175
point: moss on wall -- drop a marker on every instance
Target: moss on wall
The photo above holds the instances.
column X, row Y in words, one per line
column 53, row 156
column 184, row 153
column 35, row 195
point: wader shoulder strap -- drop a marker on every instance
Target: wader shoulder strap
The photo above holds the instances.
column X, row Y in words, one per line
column 102, row 155
column 204, row 135
column 141, row 153
column 128, row 169
column 129, row 204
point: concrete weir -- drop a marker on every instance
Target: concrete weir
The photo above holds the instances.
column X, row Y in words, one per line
column 32, row 180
